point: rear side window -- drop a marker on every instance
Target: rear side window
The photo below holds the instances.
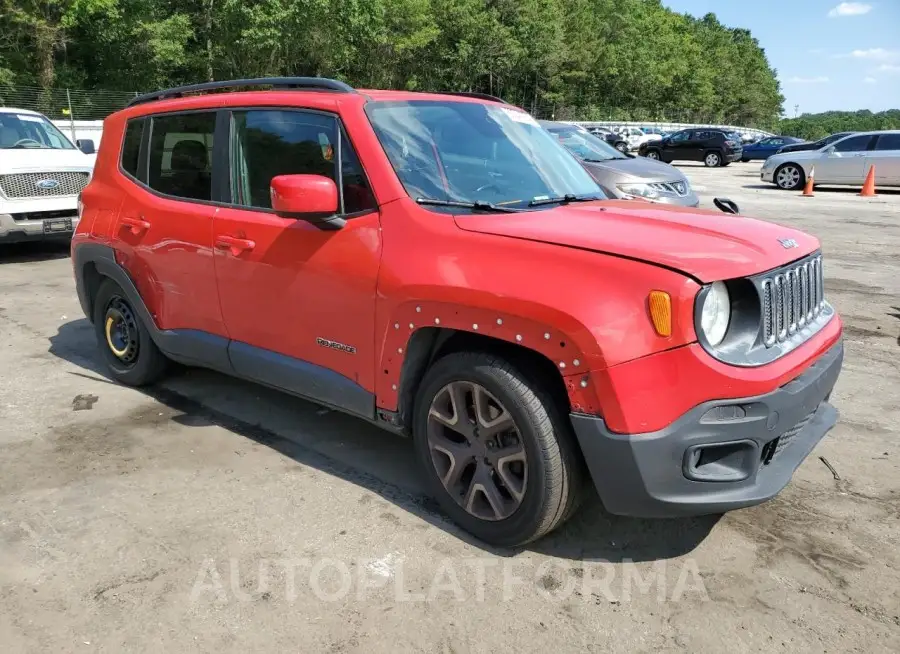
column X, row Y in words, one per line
column 131, row 146
column 888, row 142
column 181, row 155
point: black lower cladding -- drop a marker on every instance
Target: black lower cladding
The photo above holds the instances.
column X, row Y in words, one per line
column 196, row 348
column 719, row 456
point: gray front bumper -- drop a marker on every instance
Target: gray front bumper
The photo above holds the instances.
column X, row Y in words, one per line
column 18, row 231
column 657, row 474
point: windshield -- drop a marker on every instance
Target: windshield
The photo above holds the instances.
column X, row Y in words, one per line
column 27, row 131
column 584, row 145
column 476, row 153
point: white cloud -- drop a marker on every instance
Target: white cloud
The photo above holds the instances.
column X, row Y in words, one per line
column 889, row 68
column 873, row 54
column 850, row 9
column 808, row 80
column 870, row 80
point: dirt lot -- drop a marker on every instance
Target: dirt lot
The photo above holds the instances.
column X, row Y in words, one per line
column 211, row 515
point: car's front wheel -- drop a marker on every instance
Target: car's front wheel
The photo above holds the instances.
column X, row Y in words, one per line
column 652, row 154
column 789, row 177
column 622, row 147
column 125, row 343
column 498, row 453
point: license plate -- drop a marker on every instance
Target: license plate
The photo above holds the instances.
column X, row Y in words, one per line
column 57, row 225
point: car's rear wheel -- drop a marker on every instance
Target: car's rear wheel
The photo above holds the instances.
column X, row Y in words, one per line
column 712, row 160
column 622, row 147
column 652, row 154
column 497, row 451
column 789, row 177
column 125, row 343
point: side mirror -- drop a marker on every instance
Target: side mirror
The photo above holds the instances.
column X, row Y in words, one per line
column 86, row 146
column 727, row 206
column 313, row 198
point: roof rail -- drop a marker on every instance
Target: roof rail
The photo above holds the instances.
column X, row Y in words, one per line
column 469, row 94
column 294, row 83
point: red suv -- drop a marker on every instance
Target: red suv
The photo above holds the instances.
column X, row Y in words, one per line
column 441, row 266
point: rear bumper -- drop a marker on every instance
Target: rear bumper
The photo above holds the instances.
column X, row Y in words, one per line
column 733, row 156
column 719, row 456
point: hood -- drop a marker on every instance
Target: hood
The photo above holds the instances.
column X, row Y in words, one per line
column 706, row 245
column 637, row 169
column 41, row 160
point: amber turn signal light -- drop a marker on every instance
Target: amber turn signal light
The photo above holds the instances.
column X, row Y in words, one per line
column 661, row 312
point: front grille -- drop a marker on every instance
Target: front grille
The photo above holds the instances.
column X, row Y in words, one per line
column 677, row 188
column 791, row 297
column 778, row 445
column 42, row 185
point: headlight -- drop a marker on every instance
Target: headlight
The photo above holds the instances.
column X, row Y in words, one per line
column 716, row 313
column 639, row 190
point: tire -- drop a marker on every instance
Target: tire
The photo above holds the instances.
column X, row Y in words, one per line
column 744, row 160
column 551, row 477
column 789, row 176
column 712, row 159
column 622, row 147
column 653, row 154
column 125, row 344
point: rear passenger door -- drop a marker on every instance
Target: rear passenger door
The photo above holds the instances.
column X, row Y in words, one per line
column 298, row 301
column 886, row 159
column 702, row 141
column 163, row 231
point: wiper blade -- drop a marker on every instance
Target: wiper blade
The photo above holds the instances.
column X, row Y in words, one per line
column 564, row 199
column 478, row 206
column 600, row 160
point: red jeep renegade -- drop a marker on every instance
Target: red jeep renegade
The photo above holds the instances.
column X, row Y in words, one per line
column 441, row 266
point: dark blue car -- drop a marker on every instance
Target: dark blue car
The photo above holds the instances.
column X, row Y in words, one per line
column 765, row 148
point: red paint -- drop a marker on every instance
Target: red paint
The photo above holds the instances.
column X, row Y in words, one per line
column 570, row 282
column 296, row 194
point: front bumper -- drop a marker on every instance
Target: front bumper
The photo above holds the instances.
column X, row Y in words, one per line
column 767, row 175
column 719, row 456
column 19, row 230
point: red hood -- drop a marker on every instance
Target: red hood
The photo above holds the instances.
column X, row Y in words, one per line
column 708, row 245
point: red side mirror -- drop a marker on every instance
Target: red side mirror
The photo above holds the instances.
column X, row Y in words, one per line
column 304, row 196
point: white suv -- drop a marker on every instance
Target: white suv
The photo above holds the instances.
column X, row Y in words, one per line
column 41, row 175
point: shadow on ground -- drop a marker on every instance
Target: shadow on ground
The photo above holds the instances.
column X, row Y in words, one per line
column 828, row 190
column 34, row 251
column 373, row 459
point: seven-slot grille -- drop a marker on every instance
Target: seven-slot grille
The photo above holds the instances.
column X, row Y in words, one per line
column 792, row 297
column 28, row 185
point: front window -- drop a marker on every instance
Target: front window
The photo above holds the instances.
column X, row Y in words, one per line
column 30, row 131
column 476, row 153
column 585, row 146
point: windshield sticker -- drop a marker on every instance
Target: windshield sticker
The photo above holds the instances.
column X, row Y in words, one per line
column 519, row 116
column 30, row 119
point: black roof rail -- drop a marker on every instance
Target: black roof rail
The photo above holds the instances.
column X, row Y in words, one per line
column 470, row 94
column 294, row 83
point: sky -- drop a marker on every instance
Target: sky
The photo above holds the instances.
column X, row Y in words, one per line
column 828, row 54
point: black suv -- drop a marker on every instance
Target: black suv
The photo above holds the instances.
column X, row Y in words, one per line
column 714, row 147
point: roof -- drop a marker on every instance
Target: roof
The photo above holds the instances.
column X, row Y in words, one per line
column 13, row 110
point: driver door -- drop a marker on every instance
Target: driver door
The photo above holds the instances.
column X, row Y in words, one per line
column 674, row 146
column 844, row 162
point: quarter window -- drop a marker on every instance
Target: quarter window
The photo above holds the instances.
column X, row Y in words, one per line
column 853, row 144
column 131, row 146
column 181, row 155
column 888, row 142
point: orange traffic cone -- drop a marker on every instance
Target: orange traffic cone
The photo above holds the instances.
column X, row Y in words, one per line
column 810, row 182
column 868, row 189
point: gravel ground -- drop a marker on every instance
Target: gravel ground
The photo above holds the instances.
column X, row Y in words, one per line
column 211, row 515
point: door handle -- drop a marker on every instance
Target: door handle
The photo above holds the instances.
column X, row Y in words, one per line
column 136, row 225
column 234, row 245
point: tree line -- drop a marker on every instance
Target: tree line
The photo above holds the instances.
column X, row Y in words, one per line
column 568, row 59
column 815, row 126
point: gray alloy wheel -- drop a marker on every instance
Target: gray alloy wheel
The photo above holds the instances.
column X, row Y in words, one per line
column 477, row 451
column 789, row 177
column 712, row 160
column 653, row 154
column 622, row 147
